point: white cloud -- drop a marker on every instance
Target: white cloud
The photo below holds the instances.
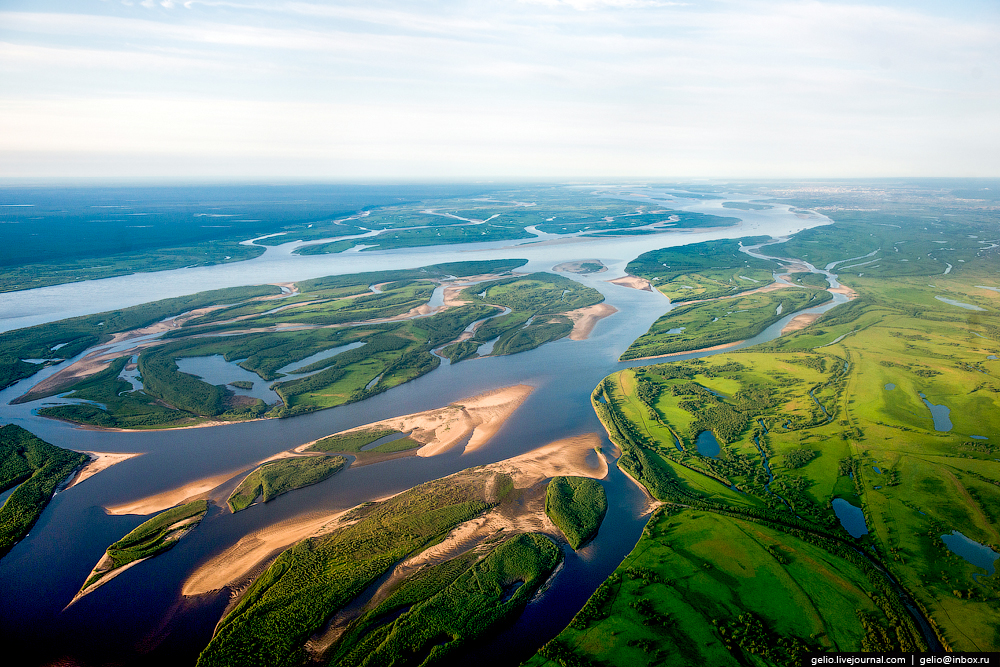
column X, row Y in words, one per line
column 760, row 86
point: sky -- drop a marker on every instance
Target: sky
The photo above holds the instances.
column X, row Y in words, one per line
column 498, row 89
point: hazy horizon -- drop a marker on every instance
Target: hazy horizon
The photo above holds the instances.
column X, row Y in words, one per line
column 529, row 90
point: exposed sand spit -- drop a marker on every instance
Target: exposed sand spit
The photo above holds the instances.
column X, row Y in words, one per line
column 522, row 511
column 167, row 499
column 477, row 418
column 633, row 282
column 99, row 461
column 584, row 319
column 800, row 322
column 580, row 266
column 235, row 563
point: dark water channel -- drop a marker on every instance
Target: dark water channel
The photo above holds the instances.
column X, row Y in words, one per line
column 140, row 618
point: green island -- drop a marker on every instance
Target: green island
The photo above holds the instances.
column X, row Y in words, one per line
column 67, row 338
column 536, row 305
column 886, row 403
column 721, row 321
column 378, row 326
column 151, row 538
column 705, row 270
column 310, row 581
column 577, row 506
column 273, row 479
column 353, row 443
column 33, row 469
column 434, row 614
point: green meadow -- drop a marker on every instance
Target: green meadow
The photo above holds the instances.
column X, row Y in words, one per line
column 277, row 477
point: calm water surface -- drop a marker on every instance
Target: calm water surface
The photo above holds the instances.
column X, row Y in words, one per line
column 139, row 618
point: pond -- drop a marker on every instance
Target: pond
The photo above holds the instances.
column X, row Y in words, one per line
column 890, row 386
column 971, row 551
column 952, row 302
column 852, row 518
column 214, row 369
column 939, row 413
column 707, row 444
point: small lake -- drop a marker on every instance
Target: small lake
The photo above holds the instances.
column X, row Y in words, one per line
column 214, row 369
column 852, row 518
column 941, row 414
column 291, row 370
column 707, row 444
column 971, row 551
column 952, row 302
column 890, row 386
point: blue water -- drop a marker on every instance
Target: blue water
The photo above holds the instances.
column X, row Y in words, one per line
column 979, row 437
column 6, row 494
column 972, row 552
column 214, row 369
column 707, row 444
column 877, row 471
column 940, row 414
column 291, row 369
column 890, row 386
column 852, row 518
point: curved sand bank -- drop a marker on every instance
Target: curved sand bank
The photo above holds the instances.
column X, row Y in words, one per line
column 99, row 461
column 167, row 499
column 477, row 418
column 800, row 322
column 634, row 282
column 564, row 457
column 584, row 319
column 238, row 561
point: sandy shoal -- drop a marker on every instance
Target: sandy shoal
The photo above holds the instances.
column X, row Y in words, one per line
column 237, row 561
column 800, row 322
column 562, row 457
column 845, row 290
column 99, row 358
column 167, row 499
column 584, row 319
column 634, row 282
column 99, row 461
column 577, row 266
column 702, row 349
column 477, row 418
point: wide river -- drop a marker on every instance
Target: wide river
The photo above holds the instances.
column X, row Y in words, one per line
column 140, row 617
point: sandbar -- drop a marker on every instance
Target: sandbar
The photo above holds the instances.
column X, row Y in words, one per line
column 800, row 322
column 634, row 282
column 167, row 499
column 99, row 461
column 584, row 319
column 238, row 561
column 702, row 349
column 578, row 266
column 523, row 514
column 477, row 418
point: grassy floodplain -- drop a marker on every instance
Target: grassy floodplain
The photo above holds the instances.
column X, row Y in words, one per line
column 836, row 410
column 385, row 313
column 309, row 582
column 705, row 270
column 576, row 505
column 68, row 338
column 536, row 303
column 35, row 468
column 718, row 322
column 273, row 479
column 152, row 538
